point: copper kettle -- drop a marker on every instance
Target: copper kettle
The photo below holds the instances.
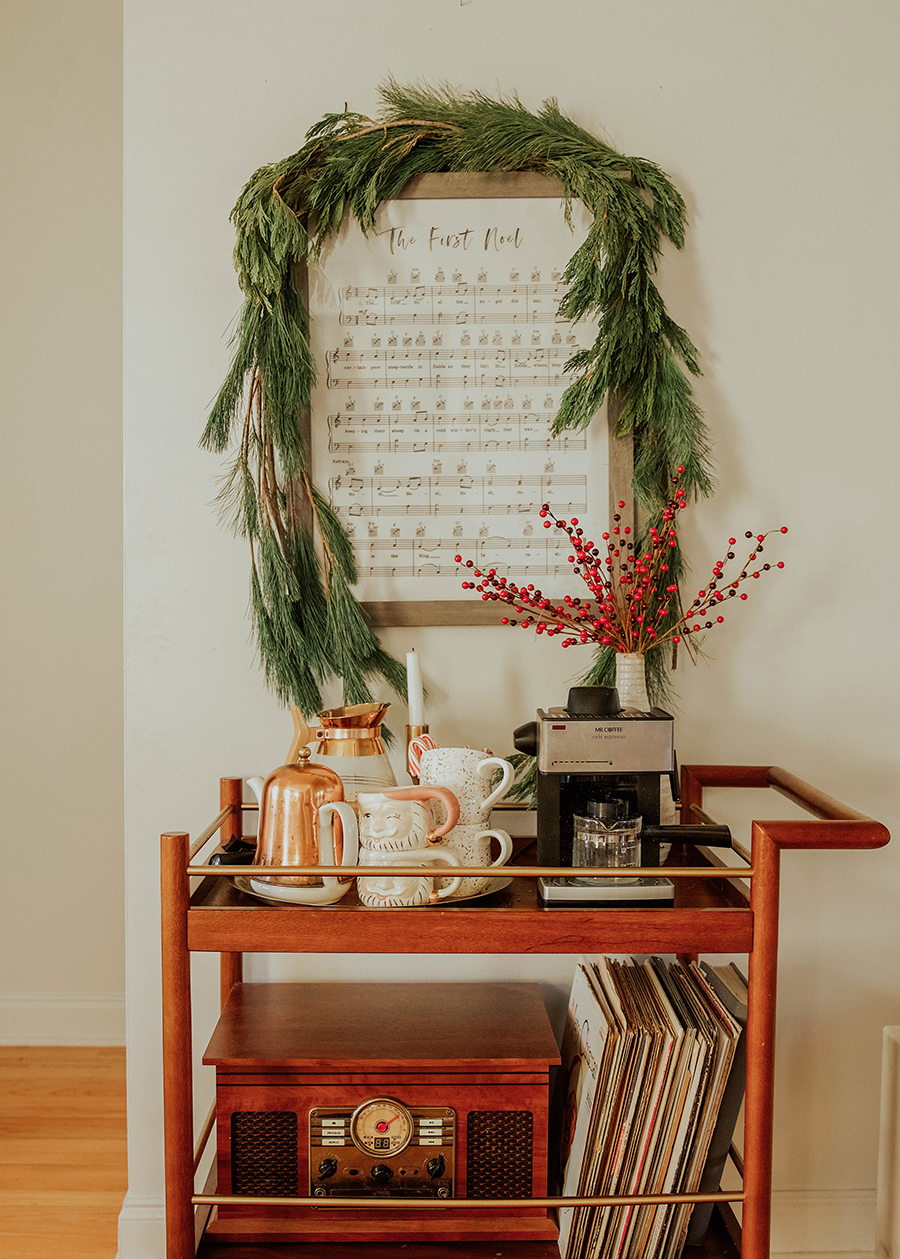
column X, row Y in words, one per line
column 296, row 805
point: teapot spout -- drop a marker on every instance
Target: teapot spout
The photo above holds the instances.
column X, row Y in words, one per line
column 256, row 786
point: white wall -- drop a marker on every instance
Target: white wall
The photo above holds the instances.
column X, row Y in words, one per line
column 62, row 925
column 773, row 121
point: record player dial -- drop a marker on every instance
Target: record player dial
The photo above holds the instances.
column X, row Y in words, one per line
column 381, row 1127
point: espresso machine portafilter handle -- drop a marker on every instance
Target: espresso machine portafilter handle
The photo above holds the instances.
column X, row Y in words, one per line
column 525, row 738
column 712, row 835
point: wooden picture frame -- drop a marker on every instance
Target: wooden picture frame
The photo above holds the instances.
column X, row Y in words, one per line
column 445, row 611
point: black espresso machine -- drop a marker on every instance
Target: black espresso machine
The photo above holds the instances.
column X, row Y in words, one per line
column 591, row 752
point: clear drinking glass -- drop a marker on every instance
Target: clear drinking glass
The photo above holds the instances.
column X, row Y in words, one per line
column 606, row 843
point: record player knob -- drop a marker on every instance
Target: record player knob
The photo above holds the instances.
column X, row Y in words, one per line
column 327, row 1167
column 435, row 1167
column 381, row 1174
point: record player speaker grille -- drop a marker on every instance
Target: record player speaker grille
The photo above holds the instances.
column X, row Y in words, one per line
column 499, row 1157
column 264, row 1153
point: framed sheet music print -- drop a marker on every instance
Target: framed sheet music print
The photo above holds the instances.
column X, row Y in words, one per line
column 440, row 360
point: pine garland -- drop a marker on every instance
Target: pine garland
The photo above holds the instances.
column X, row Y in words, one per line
column 309, row 626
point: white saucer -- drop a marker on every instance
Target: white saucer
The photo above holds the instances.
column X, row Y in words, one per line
column 494, row 885
column 284, row 895
column 288, row 895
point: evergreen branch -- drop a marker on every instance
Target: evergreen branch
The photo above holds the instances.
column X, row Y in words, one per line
column 401, row 122
column 309, row 627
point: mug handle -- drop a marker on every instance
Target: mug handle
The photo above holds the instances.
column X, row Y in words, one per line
column 423, row 795
column 444, row 854
column 499, row 792
column 506, row 845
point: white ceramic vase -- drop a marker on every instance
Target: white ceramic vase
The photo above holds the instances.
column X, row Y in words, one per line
column 631, row 681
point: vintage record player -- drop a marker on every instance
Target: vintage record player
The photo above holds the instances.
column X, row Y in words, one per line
column 382, row 1091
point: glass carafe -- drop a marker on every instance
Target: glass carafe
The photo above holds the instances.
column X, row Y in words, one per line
column 349, row 742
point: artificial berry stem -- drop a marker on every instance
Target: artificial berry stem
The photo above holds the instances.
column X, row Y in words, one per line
column 634, row 600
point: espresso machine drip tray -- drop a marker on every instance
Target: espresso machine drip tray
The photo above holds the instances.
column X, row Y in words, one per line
column 635, row 893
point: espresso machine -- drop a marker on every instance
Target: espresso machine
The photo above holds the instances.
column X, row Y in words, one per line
column 596, row 759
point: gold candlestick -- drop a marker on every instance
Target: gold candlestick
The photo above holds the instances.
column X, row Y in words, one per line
column 413, row 732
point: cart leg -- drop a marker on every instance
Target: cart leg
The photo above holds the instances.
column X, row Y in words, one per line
column 231, row 794
column 757, row 1211
column 178, row 1101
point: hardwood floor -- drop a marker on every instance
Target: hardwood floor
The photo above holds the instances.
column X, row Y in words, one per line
column 62, row 1151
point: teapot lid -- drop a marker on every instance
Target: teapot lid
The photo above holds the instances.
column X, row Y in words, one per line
column 302, row 777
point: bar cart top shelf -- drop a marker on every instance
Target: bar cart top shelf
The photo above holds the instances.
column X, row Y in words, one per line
column 710, row 916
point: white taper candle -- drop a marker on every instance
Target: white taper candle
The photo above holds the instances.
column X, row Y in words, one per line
column 414, row 696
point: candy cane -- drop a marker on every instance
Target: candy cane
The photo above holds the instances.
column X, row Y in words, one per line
column 421, row 743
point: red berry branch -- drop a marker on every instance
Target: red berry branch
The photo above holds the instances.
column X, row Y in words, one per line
column 634, row 605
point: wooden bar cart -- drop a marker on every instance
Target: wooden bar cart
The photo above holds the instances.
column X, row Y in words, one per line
column 714, row 912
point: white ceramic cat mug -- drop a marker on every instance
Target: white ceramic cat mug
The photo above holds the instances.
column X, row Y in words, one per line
column 469, row 774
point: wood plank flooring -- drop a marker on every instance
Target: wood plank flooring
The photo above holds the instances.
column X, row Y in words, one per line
column 62, row 1151
column 62, row 1154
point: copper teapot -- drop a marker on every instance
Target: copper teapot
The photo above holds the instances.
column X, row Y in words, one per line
column 296, row 805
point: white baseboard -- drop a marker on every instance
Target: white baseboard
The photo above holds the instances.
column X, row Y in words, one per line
column 823, row 1221
column 142, row 1228
column 887, row 1231
column 62, row 1019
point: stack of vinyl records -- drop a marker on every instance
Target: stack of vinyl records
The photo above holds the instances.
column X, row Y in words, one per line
column 649, row 1053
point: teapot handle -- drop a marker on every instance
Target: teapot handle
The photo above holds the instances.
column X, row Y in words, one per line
column 350, row 854
column 423, row 795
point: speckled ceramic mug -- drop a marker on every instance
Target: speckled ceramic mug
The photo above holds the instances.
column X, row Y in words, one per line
column 471, row 844
column 469, row 775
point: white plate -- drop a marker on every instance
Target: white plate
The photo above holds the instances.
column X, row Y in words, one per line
column 494, row 885
column 287, row 895
column 283, row 896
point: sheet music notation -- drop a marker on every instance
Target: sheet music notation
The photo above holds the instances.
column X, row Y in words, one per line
column 428, row 432
column 456, row 305
column 456, row 495
column 412, row 368
column 533, row 557
column 442, row 363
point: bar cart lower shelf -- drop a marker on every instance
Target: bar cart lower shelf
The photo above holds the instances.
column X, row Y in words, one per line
column 714, row 912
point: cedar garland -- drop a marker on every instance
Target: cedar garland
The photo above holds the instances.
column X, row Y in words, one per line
column 309, row 626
